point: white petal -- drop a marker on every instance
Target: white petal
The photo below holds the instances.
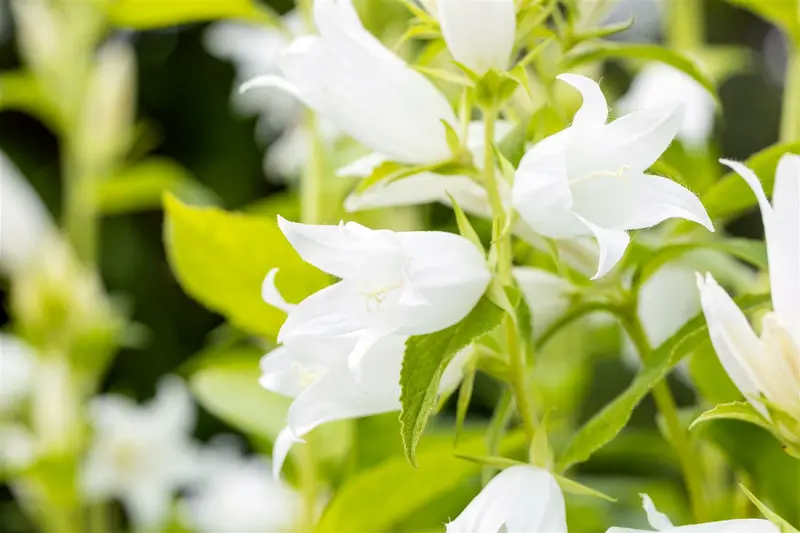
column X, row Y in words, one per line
column 612, row 243
column 270, row 81
column 779, row 368
column 291, row 368
column 734, row 340
column 448, row 272
column 524, row 499
column 361, row 90
column 271, row 295
column 280, row 449
column 420, row 189
column 547, row 295
column 338, row 19
column 172, row 408
column 658, row 520
column 784, row 244
column 594, row 111
column 348, row 251
column 17, row 367
column 632, row 143
column 363, row 167
column 147, row 506
column 635, row 201
column 731, row 526
column 479, row 33
column 24, row 220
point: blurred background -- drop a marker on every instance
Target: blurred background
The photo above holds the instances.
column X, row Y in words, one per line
column 183, row 101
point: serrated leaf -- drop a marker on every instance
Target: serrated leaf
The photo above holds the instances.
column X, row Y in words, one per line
column 742, row 411
column 424, row 362
column 142, row 186
column 606, row 424
column 380, row 498
column 748, row 250
column 228, row 388
column 650, row 52
column 731, row 196
column 221, row 258
column 768, row 513
column 149, row 14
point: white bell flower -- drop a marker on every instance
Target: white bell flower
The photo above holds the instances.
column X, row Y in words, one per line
column 142, row 454
column 239, row 494
column 25, row 222
column 17, row 362
column 363, row 89
column 769, row 366
column 590, row 178
column 392, row 283
column 658, row 83
column 520, row 499
column 315, row 371
column 480, row 34
column 426, row 187
column 660, row 522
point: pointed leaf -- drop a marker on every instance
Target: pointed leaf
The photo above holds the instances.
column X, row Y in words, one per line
column 573, row 487
column 768, row 513
column 221, row 259
column 464, row 397
column 494, row 462
column 733, row 411
column 465, row 226
column 424, row 362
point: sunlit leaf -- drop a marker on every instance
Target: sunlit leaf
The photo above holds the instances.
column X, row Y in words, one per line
column 743, row 411
column 424, row 362
column 221, row 259
column 768, row 513
column 147, row 14
column 783, row 13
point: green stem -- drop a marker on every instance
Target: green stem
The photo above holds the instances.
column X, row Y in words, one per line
column 80, row 207
column 497, row 427
column 308, row 482
column 684, row 24
column 677, row 434
column 312, row 184
column 790, row 119
column 501, row 242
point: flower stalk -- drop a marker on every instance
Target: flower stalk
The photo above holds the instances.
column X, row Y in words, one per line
column 790, row 117
column 677, row 434
column 501, row 242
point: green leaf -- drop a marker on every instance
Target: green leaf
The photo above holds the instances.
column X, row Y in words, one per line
column 573, row 487
column 386, row 171
column 731, row 196
column 20, row 91
column 748, row 250
column 783, row 13
column 512, row 146
column 541, row 453
column 445, row 75
column 221, row 259
column 148, row 14
column 649, row 52
column 494, row 462
column 606, row 424
column 464, row 398
column 768, row 513
column 142, row 186
column 733, row 411
column 424, row 362
column 380, row 498
column 465, row 227
column 228, row 388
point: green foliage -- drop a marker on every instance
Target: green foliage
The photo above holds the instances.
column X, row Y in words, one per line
column 424, row 362
column 731, row 196
column 221, row 259
column 768, row 513
column 227, row 386
column 142, row 186
column 381, row 498
column 649, row 52
column 733, row 411
column 148, row 14
column 782, row 13
column 20, row 91
column 605, row 425
column 512, row 147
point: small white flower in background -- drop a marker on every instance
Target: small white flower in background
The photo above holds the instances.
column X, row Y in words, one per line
column 362, row 88
column 548, row 295
column 520, row 499
column 17, row 362
column 658, row 83
column 769, row 366
column 666, row 301
column 426, row 187
column 660, row 522
column 590, row 178
column 24, row 220
column 17, row 448
column 317, row 373
column 255, row 51
column 142, row 454
column 238, row 494
column 392, row 283
column 479, row 33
